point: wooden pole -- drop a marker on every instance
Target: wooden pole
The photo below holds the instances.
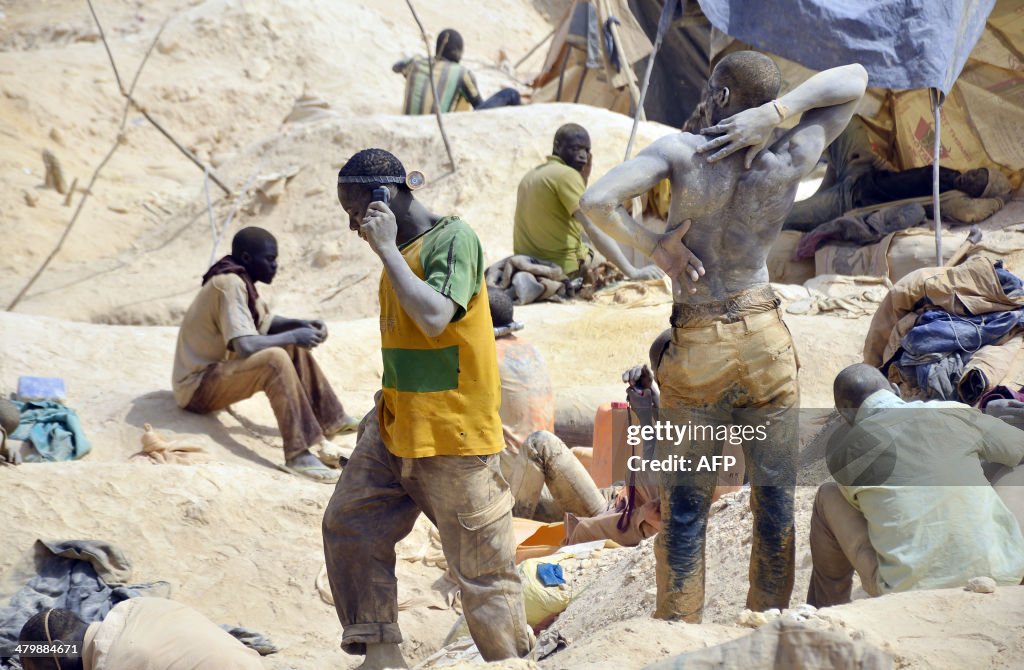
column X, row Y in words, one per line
column 663, row 23
column 534, row 49
column 433, row 86
column 937, row 96
column 634, row 92
column 103, row 163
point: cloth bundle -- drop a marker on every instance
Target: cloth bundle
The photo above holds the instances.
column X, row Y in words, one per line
column 951, row 333
column 528, row 279
column 52, row 429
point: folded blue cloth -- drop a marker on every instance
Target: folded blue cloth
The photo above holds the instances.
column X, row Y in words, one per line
column 550, row 574
column 937, row 332
column 53, row 429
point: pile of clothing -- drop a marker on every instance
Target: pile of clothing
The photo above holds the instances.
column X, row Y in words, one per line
column 90, row 578
column 527, row 279
column 51, row 431
column 952, row 333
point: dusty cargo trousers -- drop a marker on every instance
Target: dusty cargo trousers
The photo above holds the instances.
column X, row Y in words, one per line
column 375, row 504
column 735, row 373
column 303, row 401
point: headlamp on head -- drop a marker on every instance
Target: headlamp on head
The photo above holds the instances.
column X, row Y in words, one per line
column 412, row 181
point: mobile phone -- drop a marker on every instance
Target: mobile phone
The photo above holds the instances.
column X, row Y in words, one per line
column 381, row 194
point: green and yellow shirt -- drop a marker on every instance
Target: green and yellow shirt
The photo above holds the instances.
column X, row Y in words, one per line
column 441, row 394
column 453, row 81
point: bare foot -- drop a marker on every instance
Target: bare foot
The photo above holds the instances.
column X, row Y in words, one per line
column 380, row 656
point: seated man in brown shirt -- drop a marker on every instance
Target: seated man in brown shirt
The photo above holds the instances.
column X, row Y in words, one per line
column 230, row 347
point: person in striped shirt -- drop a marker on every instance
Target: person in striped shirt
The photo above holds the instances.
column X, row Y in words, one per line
column 453, row 81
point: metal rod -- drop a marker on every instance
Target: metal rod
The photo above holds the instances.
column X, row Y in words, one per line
column 663, row 23
column 937, row 214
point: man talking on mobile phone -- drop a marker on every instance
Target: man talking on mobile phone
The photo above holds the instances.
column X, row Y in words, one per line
column 432, row 442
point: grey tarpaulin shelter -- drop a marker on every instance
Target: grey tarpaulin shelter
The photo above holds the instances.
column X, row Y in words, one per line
column 903, row 44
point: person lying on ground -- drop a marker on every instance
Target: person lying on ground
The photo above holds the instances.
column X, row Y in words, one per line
column 432, row 443
column 547, row 480
column 731, row 359
column 453, row 81
column 548, row 222
column 910, row 507
column 150, row 633
column 230, row 347
column 857, row 177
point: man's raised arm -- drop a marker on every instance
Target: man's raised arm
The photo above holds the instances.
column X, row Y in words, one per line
column 602, row 204
column 833, row 93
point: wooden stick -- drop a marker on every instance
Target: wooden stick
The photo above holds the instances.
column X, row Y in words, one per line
column 209, row 214
column 188, row 154
column 634, row 92
column 106, row 159
column 129, row 95
column 71, row 192
column 534, row 49
column 103, row 37
column 973, row 237
column 663, row 23
column 347, row 286
column 433, row 86
column 234, row 209
column 67, row 229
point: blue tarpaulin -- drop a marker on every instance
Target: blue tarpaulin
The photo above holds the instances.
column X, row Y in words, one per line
column 902, row 43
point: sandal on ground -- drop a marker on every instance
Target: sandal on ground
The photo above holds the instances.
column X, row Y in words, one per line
column 317, row 472
column 333, row 455
column 349, row 425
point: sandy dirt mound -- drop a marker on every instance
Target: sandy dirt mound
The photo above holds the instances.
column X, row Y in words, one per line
column 242, row 546
column 118, row 377
column 925, row 629
column 223, row 79
column 950, row 628
column 324, row 266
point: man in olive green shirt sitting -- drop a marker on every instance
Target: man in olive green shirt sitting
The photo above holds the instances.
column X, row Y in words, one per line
column 548, row 222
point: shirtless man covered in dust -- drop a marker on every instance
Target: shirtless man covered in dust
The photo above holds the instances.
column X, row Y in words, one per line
column 730, row 361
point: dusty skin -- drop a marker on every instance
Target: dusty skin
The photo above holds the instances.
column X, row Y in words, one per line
column 728, row 215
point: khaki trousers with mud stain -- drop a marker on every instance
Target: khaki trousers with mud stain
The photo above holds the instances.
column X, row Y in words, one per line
column 304, row 404
column 729, row 374
column 376, row 503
